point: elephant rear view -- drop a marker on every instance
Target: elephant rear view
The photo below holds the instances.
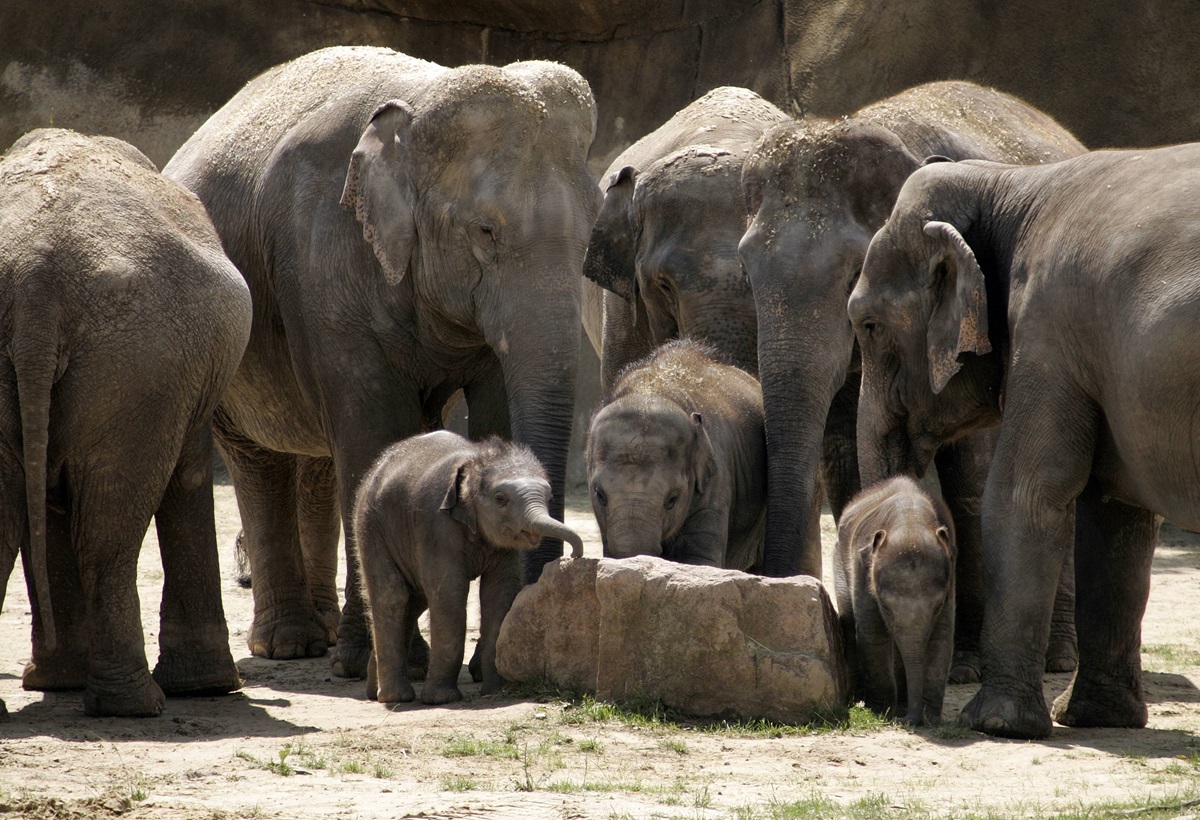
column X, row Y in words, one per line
column 121, row 322
column 406, row 230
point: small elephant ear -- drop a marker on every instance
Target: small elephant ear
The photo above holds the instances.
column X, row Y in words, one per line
column 704, row 464
column 959, row 323
column 380, row 190
column 457, row 502
column 611, row 251
column 878, row 541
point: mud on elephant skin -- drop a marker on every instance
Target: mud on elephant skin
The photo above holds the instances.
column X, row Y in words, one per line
column 676, row 461
column 121, row 322
column 434, row 513
column 1057, row 302
column 817, row 191
column 894, row 581
column 664, row 246
column 406, row 230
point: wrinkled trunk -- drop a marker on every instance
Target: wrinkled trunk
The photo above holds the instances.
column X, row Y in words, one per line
column 913, row 654
column 799, row 379
column 632, row 529
column 539, row 521
column 536, row 337
column 884, row 446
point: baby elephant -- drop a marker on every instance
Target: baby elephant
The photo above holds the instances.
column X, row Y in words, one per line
column 894, row 577
column 433, row 513
column 677, row 461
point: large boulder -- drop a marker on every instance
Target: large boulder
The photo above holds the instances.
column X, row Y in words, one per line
column 704, row 641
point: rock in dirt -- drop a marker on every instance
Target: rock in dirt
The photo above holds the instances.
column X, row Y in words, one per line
column 704, row 641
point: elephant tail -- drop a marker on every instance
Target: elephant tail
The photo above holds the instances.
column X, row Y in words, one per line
column 35, row 360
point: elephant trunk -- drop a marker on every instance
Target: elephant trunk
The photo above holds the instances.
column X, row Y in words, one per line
column 538, row 520
column 912, row 652
column 884, row 447
column 632, row 529
column 539, row 368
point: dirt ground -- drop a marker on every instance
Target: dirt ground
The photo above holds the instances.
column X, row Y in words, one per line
column 296, row 742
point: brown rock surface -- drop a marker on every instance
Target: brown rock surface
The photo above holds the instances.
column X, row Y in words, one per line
column 704, row 641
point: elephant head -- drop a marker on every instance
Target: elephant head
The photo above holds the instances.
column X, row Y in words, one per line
column 502, row 494
column 912, row 578
column 476, row 197
column 922, row 313
column 666, row 242
column 647, row 461
column 816, row 193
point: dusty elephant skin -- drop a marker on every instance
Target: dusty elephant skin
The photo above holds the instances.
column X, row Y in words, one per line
column 121, row 321
column 434, row 513
column 818, row 190
column 894, row 577
column 406, row 230
column 1058, row 302
column 664, row 246
column 709, row 642
column 676, row 461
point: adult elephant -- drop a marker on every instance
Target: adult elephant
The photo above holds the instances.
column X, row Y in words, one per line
column 1060, row 303
column 406, row 230
column 121, row 322
column 664, row 247
column 818, row 190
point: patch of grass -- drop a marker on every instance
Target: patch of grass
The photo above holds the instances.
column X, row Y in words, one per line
column 676, row 745
column 1168, row 657
column 589, row 746
column 463, row 746
column 459, row 783
column 382, row 772
column 352, row 767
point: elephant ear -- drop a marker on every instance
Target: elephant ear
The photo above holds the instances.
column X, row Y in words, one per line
column 704, row 463
column 880, row 164
column 457, row 502
column 379, row 187
column 611, row 251
column 959, row 323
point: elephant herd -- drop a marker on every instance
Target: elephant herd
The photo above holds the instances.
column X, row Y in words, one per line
column 787, row 311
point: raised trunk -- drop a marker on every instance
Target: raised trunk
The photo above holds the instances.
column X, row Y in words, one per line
column 539, row 521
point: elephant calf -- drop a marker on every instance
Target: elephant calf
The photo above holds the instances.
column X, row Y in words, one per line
column 677, row 461
column 894, row 577
column 435, row 512
column 121, row 323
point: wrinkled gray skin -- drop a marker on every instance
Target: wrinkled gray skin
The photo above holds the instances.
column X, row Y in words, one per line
column 121, row 322
column 435, row 512
column 406, row 230
column 664, row 246
column 676, row 461
column 894, row 579
column 817, row 192
column 1061, row 303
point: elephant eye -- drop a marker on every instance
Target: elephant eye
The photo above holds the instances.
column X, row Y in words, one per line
column 671, row 501
column 501, row 500
column 665, row 285
column 601, row 498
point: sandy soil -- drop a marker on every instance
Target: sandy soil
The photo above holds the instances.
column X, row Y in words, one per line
column 297, row 742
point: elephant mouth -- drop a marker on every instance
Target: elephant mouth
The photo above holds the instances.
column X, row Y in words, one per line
column 532, row 537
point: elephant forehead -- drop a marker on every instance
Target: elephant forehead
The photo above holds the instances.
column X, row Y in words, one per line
column 639, row 437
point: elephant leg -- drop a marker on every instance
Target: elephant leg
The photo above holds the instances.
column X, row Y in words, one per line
column 487, row 414
column 64, row 668
column 962, row 469
column 285, row 620
column 878, row 666
column 1114, row 548
column 1042, row 463
column 839, row 457
column 447, row 636
column 939, row 654
column 1062, row 653
column 320, row 528
column 108, row 520
column 497, row 590
column 194, row 657
column 392, row 624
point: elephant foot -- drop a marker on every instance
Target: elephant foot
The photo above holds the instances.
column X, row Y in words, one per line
column 492, row 685
column 435, row 694
column 241, row 561
column 183, row 673
column 330, row 615
column 965, row 667
column 395, row 688
column 475, row 666
column 1094, row 703
column 353, row 649
column 142, row 698
column 418, row 657
column 1062, row 656
column 1007, row 716
column 287, row 638
column 57, row 673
